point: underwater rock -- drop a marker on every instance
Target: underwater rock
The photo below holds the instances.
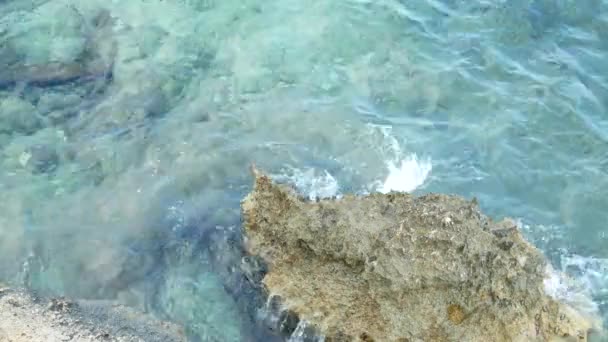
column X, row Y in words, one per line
column 18, row 116
column 42, row 158
column 94, row 63
column 50, row 102
column 53, row 74
column 395, row 267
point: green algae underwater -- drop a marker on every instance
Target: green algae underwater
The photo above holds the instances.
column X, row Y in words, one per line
column 127, row 127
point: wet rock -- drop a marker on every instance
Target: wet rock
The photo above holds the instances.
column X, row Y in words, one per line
column 239, row 276
column 396, row 267
column 289, row 322
column 201, row 304
column 253, row 268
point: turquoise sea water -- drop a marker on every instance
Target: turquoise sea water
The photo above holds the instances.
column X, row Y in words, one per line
column 127, row 128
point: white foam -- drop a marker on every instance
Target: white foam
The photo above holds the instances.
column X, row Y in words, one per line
column 311, row 182
column 405, row 171
column 581, row 282
column 578, row 291
column 406, row 176
column 592, row 273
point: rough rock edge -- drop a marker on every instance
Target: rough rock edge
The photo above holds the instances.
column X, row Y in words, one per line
column 501, row 298
column 27, row 317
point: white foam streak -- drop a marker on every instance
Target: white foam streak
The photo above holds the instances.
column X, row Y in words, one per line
column 406, row 176
column 311, row 182
column 405, row 172
column 577, row 292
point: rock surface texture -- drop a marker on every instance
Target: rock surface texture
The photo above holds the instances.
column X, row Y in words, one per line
column 27, row 318
column 401, row 268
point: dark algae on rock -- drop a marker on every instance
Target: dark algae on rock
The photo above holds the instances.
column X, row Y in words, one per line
column 395, row 267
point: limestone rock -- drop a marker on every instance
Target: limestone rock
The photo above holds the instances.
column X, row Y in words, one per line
column 397, row 267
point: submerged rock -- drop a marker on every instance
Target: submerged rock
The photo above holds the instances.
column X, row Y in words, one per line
column 42, row 158
column 18, row 116
column 394, row 267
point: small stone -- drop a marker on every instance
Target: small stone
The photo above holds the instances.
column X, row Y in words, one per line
column 456, row 314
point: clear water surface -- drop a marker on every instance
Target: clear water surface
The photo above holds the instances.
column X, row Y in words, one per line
column 126, row 130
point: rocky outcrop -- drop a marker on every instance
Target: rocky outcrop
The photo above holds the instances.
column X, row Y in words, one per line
column 397, row 267
column 25, row 317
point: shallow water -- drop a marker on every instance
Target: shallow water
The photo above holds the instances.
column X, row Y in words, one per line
column 125, row 181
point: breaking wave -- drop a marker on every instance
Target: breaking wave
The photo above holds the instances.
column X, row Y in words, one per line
column 405, row 172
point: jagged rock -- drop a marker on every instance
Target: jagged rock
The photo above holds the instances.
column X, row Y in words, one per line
column 397, row 267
